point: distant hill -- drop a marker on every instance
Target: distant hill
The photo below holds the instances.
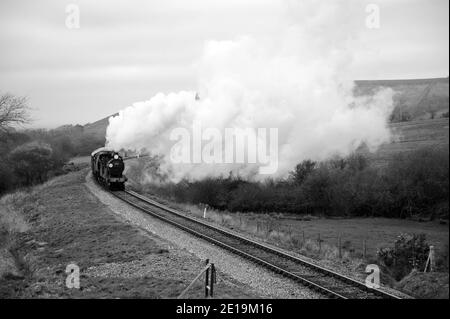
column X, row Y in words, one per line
column 98, row 128
column 420, row 105
column 414, row 99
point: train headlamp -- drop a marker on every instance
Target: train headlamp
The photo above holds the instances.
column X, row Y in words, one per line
column 116, row 156
column 110, row 165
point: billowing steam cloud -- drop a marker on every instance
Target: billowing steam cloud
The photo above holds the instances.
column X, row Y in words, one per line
column 295, row 80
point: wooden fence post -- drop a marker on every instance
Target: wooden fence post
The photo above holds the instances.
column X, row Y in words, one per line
column 213, row 280
column 340, row 246
column 210, row 280
column 207, row 280
column 320, row 244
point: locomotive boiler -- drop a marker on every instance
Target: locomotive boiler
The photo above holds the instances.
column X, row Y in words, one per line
column 107, row 167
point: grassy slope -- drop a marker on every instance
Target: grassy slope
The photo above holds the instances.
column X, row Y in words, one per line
column 407, row 92
column 66, row 224
column 409, row 136
column 410, row 94
column 98, row 128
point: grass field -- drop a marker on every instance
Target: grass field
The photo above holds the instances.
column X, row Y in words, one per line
column 419, row 98
column 410, row 136
column 360, row 238
column 375, row 232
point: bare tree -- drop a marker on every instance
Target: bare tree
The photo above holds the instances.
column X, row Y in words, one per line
column 13, row 111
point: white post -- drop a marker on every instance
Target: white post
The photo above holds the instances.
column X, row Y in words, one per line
column 431, row 258
column 204, row 213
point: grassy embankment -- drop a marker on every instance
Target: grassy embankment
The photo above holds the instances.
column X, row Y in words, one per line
column 61, row 222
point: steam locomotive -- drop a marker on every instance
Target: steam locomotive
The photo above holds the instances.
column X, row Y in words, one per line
column 107, row 167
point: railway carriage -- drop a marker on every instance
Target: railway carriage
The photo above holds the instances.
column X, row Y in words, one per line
column 107, row 167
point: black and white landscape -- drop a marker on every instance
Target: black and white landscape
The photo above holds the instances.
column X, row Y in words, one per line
column 266, row 149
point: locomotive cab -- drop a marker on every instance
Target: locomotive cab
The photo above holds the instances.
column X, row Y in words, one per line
column 107, row 168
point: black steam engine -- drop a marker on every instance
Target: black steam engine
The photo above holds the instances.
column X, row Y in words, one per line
column 107, row 167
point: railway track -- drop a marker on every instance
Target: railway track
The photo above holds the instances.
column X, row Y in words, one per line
column 322, row 280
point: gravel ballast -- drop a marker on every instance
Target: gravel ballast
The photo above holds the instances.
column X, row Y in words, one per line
column 265, row 283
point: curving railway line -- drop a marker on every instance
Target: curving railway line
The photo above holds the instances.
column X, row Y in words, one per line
column 322, row 280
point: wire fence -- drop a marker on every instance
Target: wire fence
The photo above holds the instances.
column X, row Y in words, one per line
column 210, row 273
column 328, row 245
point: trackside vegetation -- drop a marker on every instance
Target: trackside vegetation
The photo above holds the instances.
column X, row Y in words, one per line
column 413, row 185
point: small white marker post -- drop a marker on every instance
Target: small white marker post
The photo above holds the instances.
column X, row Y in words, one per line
column 204, row 213
column 430, row 260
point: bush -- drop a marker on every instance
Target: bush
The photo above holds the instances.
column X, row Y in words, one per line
column 425, row 285
column 400, row 115
column 415, row 183
column 418, row 182
column 86, row 143
column 210, row 191
column 33, row 156
column 409, row 252
column 31, row 162
column 317, row 190
column 302, row 171
column 7, row 180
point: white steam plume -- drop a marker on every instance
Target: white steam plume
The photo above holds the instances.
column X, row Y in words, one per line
column 295, row 80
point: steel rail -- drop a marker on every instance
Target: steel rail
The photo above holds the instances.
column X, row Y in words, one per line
column 268, row 248
column 298, row 278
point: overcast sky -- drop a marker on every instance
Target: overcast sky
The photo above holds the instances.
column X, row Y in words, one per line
column 127, row 51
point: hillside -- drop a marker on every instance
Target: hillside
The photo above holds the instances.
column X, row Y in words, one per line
column 62, row 223
column 98, row 128
column 414, row 99
column 409, row 136
column 416, row 121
